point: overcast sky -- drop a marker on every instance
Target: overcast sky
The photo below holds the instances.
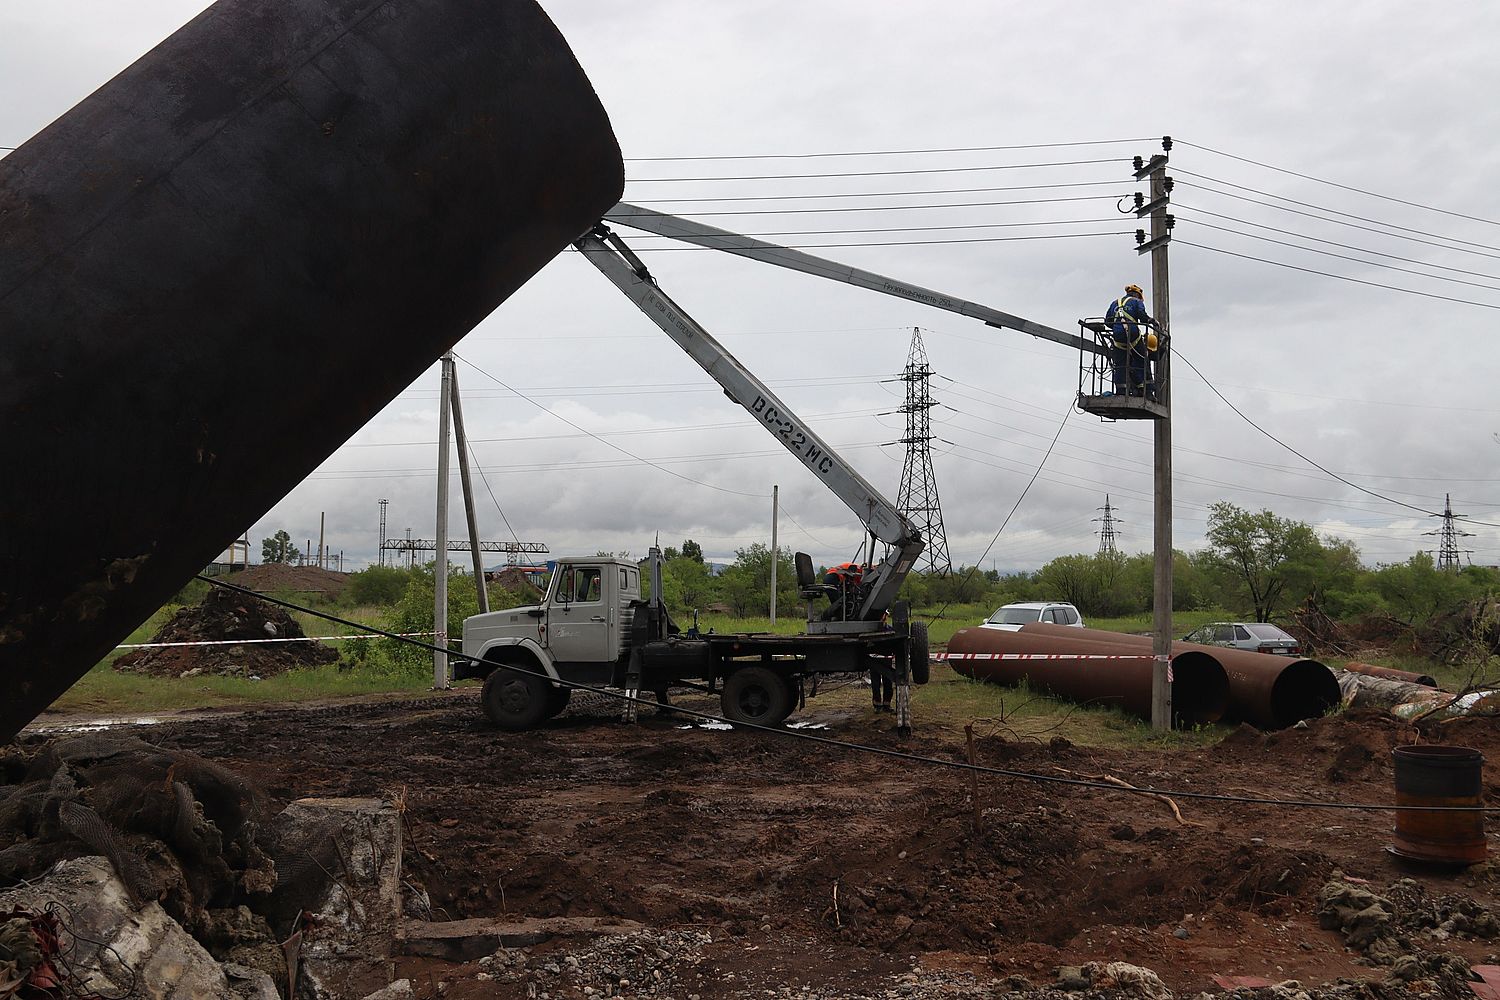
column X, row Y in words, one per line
column 1393, row 391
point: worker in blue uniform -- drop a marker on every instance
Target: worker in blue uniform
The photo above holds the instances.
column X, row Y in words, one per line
column 1130, row 346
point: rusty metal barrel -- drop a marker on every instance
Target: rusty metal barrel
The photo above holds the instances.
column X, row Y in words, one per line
column 1439, row 776
column 222, row 263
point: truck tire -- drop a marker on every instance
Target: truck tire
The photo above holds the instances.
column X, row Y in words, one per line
column 921, row 654
column 756, row 695
column 516, row 700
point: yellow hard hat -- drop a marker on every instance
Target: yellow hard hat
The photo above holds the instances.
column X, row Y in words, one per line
column 1135, row 290
column 1151, row 341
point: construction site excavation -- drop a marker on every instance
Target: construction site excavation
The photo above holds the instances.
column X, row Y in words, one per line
column 840, row 741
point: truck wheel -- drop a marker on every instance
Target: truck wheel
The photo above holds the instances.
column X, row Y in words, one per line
column 756, row 695
column 921, row 654
column 515, row 700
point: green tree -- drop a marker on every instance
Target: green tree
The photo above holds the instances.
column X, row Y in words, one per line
column 278, row 549
column 686, row 584
column 414, row 613
column 746, row 585
column 1258, row 551
column 380, row 585
column 692, row 550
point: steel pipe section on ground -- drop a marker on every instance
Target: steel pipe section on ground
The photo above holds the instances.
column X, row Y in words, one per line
column 1268, row 691
column 222, row 263
column 1091, row 673
column 1390, row 673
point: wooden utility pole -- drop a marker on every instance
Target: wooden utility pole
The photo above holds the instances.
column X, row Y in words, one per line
column 468, row 487
column 775, row 504
column 440, row 567
column 1161, row 236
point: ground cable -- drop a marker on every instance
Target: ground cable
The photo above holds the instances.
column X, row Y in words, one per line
column 802, row 734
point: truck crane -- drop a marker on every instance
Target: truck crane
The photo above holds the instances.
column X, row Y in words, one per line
column 592, row 627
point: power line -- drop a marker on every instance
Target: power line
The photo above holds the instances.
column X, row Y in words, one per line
column 1340, row 256
column 1333, row 243
column 883, row 152
column 1341, row 277
column 874, row 173
column 902, row 243
column 610, row 444
column 1114, row 182
column 1309, row 461
column 914, row 208
column 1340, row 222
column 1345, row 187
column 905, row 229
column 1335, row 211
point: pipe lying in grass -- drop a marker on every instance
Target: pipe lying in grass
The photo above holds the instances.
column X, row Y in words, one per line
column 1272, row 692
column 1090, row 673
column 1390, row 673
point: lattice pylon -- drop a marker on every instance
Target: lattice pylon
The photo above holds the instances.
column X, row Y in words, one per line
column 918, row 498
column 1107, row 533
column 1448, row 534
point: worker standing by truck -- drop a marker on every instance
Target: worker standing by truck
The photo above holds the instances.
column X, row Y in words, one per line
column 1132, row 342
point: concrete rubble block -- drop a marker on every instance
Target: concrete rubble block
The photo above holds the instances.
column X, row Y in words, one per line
column 1133, row 980
column 398, row 990
column 246, row 983
column 466, row 940
column 345, row 856
column 117, row 946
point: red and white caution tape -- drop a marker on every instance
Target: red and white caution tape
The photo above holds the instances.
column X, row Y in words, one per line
column 1040, row 656
column 251, row 642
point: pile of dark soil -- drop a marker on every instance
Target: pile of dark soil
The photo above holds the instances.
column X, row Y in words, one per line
column 279, row 578
column 222, row 617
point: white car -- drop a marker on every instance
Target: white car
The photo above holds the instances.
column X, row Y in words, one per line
column 1011, row 617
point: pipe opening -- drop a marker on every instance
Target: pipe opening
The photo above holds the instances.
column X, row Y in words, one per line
column 1306, row 689
column 1200, row 690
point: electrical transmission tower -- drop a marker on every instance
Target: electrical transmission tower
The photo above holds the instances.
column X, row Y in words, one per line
column 381, row 550
column 1107, row 528
column 918, row 498
column 1448, row 534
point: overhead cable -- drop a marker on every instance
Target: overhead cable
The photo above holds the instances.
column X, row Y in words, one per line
column 610, row 444
column 1340, row 222
column 1332, row 243
column 875, row 173
column 1342, row 256
column 1353, row 485
column 1341, row 277
column 1345, row 187
column 1114, row 182
column 883, row 152
column 912, row 208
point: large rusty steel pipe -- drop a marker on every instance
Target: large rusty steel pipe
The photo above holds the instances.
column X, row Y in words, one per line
column 1272, row 692
column 224, row 261
column 1390, row 673
column 1091, row 672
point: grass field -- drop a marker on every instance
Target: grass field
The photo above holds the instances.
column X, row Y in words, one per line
column 948, row 703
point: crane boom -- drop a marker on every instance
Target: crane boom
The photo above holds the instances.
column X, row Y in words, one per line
column 881, row 518
column 662, row 224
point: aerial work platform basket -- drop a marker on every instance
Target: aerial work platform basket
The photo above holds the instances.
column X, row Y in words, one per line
column 1132, row 393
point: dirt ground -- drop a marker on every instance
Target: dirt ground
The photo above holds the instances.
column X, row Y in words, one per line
column 819, row 867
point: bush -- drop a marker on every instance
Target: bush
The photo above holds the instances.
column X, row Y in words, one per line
column 379, row 585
